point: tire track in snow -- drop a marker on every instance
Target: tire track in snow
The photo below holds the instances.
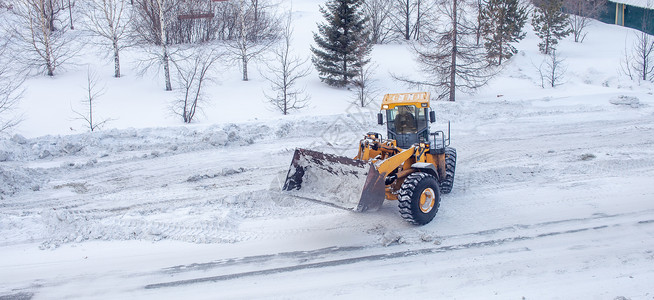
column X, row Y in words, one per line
column 320, row 258
column 393, row 255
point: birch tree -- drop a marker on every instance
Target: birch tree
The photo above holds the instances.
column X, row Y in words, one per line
column 40, row 36
column 165, row 56
column 110, row 20
column 257, row 30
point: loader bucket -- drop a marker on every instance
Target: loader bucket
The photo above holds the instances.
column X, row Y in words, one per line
column 335, row 180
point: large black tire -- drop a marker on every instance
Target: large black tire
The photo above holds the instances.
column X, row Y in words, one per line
column 419, row 198
column 450, row 166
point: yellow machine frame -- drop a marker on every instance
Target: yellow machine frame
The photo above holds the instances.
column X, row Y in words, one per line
column 392, row 160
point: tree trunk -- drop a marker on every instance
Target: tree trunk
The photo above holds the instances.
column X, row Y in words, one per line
column 49, row 64
column 90, row 106
column 164, row 48
column 407, row 30
column 344, row 70
column 166, row 66
column 116, row 59
column 416, row 34
column 501, row 41
column 478, row 29
column 244, row 61
column 243, row 41
column 70, row 12
column 454, row 51
column 51, row 17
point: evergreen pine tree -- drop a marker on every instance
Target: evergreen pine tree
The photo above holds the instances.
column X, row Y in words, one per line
column 341, row 42
column 501, row 24
column 550, row 24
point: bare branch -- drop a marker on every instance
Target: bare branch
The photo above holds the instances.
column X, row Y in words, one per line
column 449, row 55
column 111, row 21
column 40, row 36
column 258, row 30
column 284, row 72
column 193, row 73
column 93, row 92
column 11, row 92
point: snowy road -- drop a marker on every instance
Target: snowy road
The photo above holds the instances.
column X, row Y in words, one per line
column 553, row 198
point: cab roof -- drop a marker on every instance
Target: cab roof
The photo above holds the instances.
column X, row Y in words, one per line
column 419, row 99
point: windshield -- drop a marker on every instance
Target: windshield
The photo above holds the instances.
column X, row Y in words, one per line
column 406, row 119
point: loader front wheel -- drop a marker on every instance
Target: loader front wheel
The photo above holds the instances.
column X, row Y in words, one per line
column 419, row 198
column 450, row 166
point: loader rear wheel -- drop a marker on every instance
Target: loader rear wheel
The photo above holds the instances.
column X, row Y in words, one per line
column 450, row 166
column 419, row 198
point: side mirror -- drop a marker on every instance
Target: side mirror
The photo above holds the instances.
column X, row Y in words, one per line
column 380, row 119
column 432, row 116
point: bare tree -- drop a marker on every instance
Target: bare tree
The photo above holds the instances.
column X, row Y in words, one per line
column 193, row 74
column 41, row 37
column 165, row 56
column 11, row 92
column 551, row 70
column 151, row 26
column 449, row 56
column 556, row 69
column 581, row 12
column 365, row 91
column 258, row 30
column 404, row 10
column 410, row 17
column 284, row 72
column 93, row 92
column 146, row 25
column 110, row 20
column 70, row 6
column 49, row 12
column 378, row 13
column 196, row 21
column 479, row 7
column 639, row 62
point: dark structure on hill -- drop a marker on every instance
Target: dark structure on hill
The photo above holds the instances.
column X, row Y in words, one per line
column 637, row 14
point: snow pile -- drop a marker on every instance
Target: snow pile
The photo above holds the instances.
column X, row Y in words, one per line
column 13, row 180
column 632, row 102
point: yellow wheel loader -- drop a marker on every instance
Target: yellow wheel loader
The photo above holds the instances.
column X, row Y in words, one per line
column 413, row 165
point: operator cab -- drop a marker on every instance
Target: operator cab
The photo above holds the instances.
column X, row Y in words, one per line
column 407, row 125
column 407, row 118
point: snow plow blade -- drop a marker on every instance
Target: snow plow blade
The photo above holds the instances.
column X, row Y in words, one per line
column 335, row 180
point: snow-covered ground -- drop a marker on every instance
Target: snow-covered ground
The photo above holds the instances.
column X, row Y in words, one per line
column 553, row 196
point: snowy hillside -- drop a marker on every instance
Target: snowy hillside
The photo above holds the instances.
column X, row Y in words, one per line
column 553, row 196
